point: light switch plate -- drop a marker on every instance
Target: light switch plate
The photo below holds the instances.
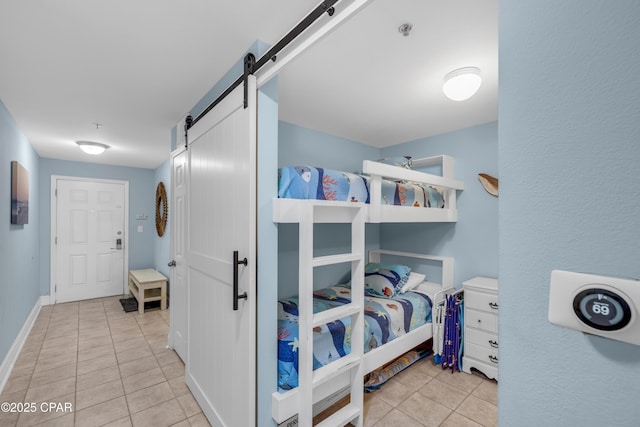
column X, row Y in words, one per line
column 598, row 305
column 140, row 229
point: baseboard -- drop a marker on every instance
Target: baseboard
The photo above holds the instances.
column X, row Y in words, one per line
column 12, row 355
column 45, row 300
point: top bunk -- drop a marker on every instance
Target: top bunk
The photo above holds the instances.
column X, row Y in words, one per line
column 388, row 193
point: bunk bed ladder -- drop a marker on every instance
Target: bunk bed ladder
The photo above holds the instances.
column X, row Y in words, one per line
column 352, row 363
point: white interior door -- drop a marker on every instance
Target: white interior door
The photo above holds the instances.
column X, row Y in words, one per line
column 89, row 241
column 178, row 253
column 221, row 357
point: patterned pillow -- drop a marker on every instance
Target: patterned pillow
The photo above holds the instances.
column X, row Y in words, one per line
column 385, row 279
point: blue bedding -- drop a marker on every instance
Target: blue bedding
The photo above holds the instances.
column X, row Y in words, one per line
column 385, row 319
column 306, row 182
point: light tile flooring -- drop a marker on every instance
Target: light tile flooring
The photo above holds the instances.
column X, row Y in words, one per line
column 113, row 369
column 425, row 395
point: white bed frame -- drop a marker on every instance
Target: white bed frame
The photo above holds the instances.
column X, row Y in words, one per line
column 286, row 405
column 291, row 210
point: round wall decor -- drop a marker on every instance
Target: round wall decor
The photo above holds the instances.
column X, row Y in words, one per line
column 161, row 209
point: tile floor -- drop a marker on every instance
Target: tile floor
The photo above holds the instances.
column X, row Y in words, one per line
column 425, row 395
column 113, row 369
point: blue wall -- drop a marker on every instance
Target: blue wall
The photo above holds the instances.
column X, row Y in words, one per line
column 141, row 202
column 19, row 255
column 473, row 240
column 302, row 146
column 569, row 148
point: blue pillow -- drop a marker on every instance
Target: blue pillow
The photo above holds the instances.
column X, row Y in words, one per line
column 385, row 279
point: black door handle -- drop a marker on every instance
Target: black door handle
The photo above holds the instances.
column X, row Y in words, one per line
column 236, row 263
column 172, row 263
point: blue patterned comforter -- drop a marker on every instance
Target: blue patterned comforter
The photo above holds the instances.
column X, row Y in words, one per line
column 305, row 182
column 385, row 319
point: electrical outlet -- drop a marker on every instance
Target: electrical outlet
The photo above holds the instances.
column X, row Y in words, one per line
column 140, row 229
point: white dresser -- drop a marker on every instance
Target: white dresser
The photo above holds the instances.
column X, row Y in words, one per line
column 481, row 326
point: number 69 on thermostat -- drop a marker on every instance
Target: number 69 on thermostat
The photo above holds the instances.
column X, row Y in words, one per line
column 598, row 305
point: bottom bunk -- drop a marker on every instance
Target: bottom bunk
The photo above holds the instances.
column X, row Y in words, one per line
column 394, row 325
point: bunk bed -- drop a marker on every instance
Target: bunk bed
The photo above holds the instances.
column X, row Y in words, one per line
column 344, row 375
column 379, row 208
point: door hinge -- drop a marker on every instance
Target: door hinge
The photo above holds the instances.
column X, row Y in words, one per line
column 56, row 192
column 56, row 240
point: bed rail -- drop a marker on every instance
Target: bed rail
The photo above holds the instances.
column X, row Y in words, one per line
column 379, row 212
column 292, row 210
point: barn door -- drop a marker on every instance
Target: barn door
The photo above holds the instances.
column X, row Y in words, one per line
column 221, row 356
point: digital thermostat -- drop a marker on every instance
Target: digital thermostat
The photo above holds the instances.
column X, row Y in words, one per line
column 596, row 305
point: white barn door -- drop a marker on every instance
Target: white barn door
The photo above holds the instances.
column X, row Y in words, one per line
column 221, row 356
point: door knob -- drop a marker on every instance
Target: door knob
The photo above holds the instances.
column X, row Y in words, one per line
column 172, row 263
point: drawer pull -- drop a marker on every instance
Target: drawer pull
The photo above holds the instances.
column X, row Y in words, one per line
column 479, row 321
column 493, row 359
column 493, row 343
column 493, row 305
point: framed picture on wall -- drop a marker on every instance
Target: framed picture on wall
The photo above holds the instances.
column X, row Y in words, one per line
column 19, row 194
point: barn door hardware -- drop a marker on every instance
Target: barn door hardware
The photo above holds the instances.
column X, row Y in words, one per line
column 271, row 55
column 187, row 124
column 236, row 263
column 249, row 69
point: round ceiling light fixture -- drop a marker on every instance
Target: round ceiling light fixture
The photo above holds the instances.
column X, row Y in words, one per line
column 93, row 148
column 462, row 84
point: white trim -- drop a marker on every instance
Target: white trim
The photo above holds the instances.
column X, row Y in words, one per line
column 12, row 355
column 53, row 224
column 45, row 300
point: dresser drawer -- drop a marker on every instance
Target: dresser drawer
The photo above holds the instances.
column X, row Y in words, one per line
column 480, row 338
column 488, row 356
column 481, row 301
column 480, row 320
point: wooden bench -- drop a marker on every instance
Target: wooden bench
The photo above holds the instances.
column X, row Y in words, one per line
column 148, row 285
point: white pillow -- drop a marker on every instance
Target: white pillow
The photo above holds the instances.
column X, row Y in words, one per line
column 414, row 280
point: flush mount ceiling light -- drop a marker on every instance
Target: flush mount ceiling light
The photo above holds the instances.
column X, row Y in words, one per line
column 462, row 84
column 93, row 148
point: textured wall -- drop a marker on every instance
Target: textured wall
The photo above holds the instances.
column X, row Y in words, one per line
column 19, row 252
column 569, row 151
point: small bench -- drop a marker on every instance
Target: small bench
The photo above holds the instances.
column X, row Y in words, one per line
column 148, row 285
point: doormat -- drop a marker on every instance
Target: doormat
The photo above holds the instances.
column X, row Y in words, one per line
column 131, row 304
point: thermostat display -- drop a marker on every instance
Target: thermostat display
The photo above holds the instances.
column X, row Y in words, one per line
column 596, row 305
column 602, row 309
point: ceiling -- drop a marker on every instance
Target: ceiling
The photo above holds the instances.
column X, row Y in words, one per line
column 137, row 67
